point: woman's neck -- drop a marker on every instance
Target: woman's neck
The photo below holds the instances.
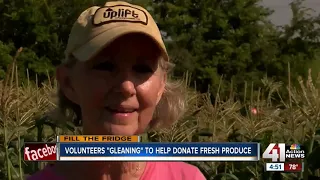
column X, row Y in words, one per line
column 100, row 170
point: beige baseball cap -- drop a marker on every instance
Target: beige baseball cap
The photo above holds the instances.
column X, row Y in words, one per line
column 97, row 27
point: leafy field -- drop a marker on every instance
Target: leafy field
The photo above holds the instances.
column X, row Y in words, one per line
column 25, row 113
column 209, row 39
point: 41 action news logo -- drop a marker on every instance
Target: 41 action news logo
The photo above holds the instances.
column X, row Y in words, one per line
column 280, row 152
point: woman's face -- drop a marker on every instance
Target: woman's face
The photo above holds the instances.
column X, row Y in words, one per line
column 118, row 89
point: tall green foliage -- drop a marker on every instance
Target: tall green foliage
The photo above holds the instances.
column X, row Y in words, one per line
column 41, row 27
column 300, row 40
column 211, row 39
column 234, row 39
column 230, row 38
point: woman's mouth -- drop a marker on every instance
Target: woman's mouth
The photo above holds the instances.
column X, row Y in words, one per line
column 121, row 110
column 122, row 113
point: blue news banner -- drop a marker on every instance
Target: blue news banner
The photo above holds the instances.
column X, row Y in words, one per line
column 158, row 151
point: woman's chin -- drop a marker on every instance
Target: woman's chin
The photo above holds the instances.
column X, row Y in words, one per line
column 124, row 130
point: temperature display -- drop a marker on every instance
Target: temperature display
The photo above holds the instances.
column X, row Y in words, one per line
column 293, row 167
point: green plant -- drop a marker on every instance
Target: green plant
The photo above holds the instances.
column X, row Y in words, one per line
column 24, row 117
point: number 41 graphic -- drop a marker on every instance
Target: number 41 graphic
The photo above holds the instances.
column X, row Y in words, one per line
column 275, row 152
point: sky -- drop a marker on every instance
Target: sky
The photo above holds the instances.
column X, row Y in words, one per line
column 282, row 12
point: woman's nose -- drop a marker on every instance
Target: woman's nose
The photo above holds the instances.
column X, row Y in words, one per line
column 125, row 86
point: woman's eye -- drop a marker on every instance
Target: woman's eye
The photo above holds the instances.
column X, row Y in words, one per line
column 142, row 69
column 105, row 66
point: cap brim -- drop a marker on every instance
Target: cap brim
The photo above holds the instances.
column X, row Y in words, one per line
column 95, row 45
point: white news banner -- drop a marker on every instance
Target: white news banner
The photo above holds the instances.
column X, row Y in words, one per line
column 154, row 158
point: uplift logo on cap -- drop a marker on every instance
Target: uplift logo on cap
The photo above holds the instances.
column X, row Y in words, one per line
column 119, row 13
column 98, row 26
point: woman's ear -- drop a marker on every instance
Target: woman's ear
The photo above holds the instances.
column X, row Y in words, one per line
column 63, row 76
column 162, row 87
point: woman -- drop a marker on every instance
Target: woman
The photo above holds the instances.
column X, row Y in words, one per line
column 114, row 80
